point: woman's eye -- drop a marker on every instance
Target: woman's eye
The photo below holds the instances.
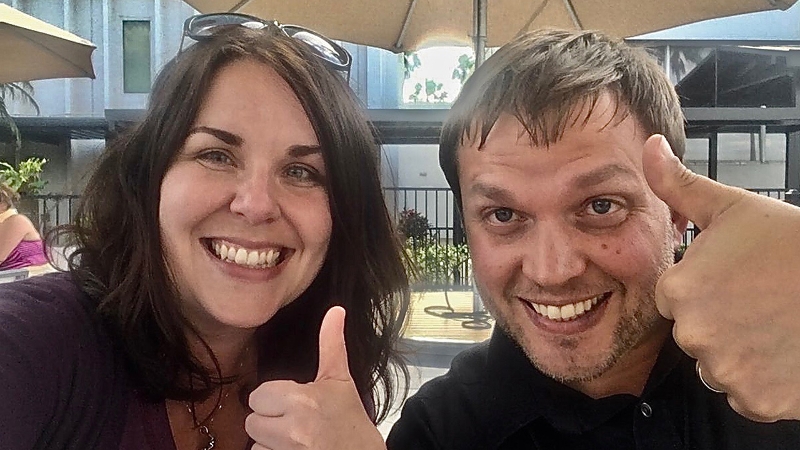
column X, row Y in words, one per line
column 304, row 175
column 300, row 173
column 216, row 157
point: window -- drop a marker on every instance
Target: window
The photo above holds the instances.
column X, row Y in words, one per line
column 136, row 56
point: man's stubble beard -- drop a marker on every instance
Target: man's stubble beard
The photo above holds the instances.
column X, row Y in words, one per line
column 629, row 332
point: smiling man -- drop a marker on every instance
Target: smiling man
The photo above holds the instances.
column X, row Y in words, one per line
column 546, row 150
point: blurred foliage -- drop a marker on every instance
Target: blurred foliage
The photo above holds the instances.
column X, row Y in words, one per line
column 26, row 179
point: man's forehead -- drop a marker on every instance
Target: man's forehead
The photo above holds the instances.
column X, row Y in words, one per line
column 549, row 126
column 588, row 178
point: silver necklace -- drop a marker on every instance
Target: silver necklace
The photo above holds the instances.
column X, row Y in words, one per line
column 203, row 427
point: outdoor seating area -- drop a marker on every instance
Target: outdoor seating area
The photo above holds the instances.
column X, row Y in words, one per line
column 274, row 222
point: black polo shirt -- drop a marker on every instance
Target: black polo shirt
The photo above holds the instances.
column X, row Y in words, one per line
column 493, row 398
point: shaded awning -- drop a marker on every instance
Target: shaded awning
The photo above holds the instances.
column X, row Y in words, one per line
column 51, row 129
column 739, row 77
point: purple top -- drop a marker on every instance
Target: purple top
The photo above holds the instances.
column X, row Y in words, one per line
column 26, row 253
column 62, row 384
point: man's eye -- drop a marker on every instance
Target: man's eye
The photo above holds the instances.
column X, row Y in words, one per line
column 601, row 206
column 503, row 215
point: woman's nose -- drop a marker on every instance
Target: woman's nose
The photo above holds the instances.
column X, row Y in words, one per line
column 256, row 200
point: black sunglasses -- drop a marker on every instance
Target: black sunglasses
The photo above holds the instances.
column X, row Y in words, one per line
column 202, row 27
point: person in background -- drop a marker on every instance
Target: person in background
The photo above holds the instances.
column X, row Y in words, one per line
column 21, row 245
column 563, row 153
column 218, row 245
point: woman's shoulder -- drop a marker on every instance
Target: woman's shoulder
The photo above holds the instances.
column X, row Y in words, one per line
column 50, row 323
column 56, row 292
column 51, row 306
column 19, row 227
column 59, row 368
column 17, row 221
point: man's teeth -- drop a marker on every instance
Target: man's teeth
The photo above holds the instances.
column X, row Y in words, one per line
column 566, row 312
column 244, row 257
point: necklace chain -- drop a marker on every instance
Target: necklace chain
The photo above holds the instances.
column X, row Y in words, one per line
column 204, row 426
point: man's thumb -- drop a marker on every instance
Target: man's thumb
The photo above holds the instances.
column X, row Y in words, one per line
column 332, row 347
column 693, row 196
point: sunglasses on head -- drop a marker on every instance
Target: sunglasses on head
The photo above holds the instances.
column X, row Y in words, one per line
column 202, row 27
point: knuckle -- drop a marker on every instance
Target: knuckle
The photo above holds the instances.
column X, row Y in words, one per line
column 672, row 287
column 758, row 410
column 307, row 402
column 685, row 338
column 298, row 436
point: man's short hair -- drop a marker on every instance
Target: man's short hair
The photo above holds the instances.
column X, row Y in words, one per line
column 543, row 77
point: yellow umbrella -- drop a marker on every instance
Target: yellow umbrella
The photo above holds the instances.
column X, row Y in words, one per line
column 400, row 25
column 31, row 49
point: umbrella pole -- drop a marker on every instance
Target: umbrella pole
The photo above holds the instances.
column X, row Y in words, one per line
column 479, row 30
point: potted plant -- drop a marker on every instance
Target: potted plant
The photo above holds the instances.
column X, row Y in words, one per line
column 26, row 180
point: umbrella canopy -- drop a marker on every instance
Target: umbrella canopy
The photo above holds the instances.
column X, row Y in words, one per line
column 400, row 25
column 31, row 49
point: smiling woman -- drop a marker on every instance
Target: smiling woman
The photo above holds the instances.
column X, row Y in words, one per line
column 211, row 241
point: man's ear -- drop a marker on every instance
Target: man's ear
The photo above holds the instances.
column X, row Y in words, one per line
column 679, row 225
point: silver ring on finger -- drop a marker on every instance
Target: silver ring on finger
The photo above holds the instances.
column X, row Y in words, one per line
column 705, row 383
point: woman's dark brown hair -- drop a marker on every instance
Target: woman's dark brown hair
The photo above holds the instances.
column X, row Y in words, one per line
column 119, row 259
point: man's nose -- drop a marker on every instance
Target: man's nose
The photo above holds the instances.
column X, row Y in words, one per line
column 552, row 254
column 256, row 199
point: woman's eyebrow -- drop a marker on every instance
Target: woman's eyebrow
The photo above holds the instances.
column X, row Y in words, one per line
column 299, row 151
column 224, row 136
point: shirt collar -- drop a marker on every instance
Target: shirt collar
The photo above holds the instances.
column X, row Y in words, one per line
column 518, row 393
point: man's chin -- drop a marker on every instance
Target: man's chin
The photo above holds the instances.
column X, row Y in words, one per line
column 565, row 361
column 574, row 375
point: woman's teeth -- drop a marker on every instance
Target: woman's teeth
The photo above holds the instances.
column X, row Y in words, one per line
column 244, row 257
column 567, row 312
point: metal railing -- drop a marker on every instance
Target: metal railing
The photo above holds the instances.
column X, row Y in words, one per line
column 50, row 210
column 779, row 194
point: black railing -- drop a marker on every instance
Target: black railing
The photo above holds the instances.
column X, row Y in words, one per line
column 50, row 210
column 440, row 255
column 780, row 194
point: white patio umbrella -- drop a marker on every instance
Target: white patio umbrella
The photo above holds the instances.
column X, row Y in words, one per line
column 400, row 25
column 31, row 49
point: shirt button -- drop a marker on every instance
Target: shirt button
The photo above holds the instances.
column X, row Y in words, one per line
column 646, row 409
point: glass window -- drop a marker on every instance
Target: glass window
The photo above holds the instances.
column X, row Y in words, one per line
column 696, row 157
column 136, row 59
column 744, row 163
